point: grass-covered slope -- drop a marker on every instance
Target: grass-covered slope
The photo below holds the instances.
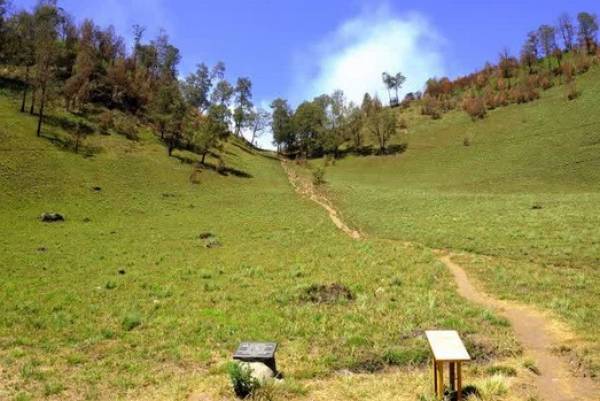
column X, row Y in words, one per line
column 124, row 300
column 526, row 192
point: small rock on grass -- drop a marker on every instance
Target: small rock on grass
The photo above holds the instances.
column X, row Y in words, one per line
column 259, row 371
column 210, row 240
column 52, row 217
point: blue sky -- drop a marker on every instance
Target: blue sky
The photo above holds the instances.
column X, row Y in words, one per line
column 300, row 48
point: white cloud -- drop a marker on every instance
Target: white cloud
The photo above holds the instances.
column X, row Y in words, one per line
column 354, row 56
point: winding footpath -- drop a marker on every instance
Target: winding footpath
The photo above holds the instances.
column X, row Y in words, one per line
column 535, row 331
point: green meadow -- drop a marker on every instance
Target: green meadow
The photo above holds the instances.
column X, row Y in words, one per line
column 125, row 300
column 521, row 201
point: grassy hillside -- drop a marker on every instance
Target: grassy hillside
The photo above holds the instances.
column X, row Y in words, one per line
column 526, row 193
column 125, row 301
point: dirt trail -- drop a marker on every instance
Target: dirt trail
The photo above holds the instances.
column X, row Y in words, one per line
column 536, row 332
column 306, row 188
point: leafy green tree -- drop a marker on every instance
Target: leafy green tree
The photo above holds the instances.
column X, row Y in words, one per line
column 197, row 87
column 19, row 47
column 309, row 124
column 367, row 105
column 222, row 94
column 3, row 35
column 82, row 130
column 212, row 129
column 167, row 111
column 243, row 103
column 354, row 119
column 175, row 126
column 167, row 57
column 382, row 125
column 46, row 18
column 78, row 86
column 282, row 125
column 334, row 134
column 588, row 30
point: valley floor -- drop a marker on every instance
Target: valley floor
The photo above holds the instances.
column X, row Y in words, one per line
column 124, row 300
column 161, row 267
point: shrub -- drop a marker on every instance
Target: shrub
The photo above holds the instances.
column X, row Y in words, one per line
column 545, row 81
column 572, row 92
column 494, row 386
column 327, row 294
column 131, row 321
column 524, row 93
column 105, row 122
column 318, row 176
column 568, row 71
column 241, row 379
column 126, row 127
column 582, row 63
column 431, row 107
column 475, row 107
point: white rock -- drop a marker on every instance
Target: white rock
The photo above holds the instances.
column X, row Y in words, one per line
column 259, row 371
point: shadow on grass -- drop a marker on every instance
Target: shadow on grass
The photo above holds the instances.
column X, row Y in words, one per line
column 242, row 148
column 11, row 84
column 222, row 170
column 226, row 171
column 68, row 144
column 184, row 159
column 372, row 151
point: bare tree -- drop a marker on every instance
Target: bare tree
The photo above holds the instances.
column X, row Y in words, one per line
column 547, row 36
column 567, row 31
column 588, row 30
column 529, row 52
column 259, row 121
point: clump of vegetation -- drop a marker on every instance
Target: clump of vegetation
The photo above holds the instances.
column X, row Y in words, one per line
column 318, row 176
column 105, row 122
column 475, row 107
column 572, row 92
column 82, row 130
column 430, row 106
column 371, row 364
column 210, row 240
column 131, row 321
column 530, row 365
column 507, row 371
column 406, row 357
column 327, row 293
column 126, row 126
column 495, row 386
column 244, row 384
